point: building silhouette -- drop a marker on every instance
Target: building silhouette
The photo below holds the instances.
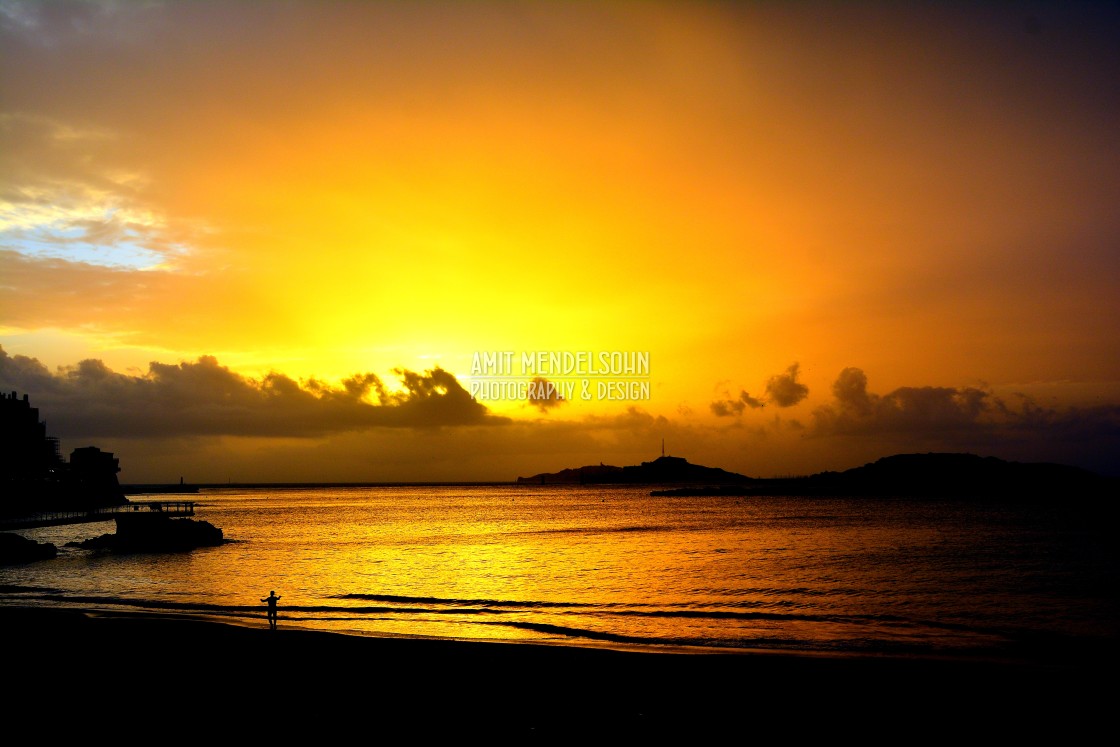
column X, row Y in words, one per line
column 33, row 473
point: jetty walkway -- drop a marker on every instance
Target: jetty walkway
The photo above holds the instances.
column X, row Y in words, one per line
column 166, row 509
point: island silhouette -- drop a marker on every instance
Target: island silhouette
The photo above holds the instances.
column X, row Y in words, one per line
column 664, row 469
column 958, row 475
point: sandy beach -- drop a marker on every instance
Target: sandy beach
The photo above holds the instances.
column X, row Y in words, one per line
column 153, row 673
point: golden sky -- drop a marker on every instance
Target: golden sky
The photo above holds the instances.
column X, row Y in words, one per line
column 839, row 231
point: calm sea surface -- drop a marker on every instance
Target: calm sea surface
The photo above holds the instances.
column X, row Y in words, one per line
column 615, row 566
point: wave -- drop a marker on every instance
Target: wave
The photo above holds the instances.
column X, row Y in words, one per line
column 760, row 642
column 438, row 606
column 453, row 601
column 598, row 635
column 583, row 531
column 17, row 589
column 157, row 604
column 775, row 598
column 513, row 614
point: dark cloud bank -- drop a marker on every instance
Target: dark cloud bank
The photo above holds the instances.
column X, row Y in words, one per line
column 363, row 424
column 204, row 398
column 932, row 418
column 929, row 418
column 939, row 412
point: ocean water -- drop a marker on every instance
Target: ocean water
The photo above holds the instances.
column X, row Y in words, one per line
column 614, row 566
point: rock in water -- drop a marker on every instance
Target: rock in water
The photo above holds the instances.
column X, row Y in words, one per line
column 15, row 548
column 163, row 535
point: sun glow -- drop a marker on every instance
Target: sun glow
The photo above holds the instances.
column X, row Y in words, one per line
column 351, row 188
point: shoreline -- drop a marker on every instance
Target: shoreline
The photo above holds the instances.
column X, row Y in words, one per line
column 252, row 617
column 247, row 675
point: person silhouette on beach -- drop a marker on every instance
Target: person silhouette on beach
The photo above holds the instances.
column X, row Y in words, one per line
column 272, row 599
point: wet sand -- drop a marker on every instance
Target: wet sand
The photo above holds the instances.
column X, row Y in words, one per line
column 161, row 675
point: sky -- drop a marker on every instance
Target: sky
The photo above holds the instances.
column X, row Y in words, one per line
column 358, row 241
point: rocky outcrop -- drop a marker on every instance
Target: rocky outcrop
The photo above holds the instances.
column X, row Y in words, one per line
column 158, row 535
column 663, row 470
column 15, row 548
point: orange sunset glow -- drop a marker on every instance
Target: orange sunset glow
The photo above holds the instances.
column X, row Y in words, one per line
column 269, row 241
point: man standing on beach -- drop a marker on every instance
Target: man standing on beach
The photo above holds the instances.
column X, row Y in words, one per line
column 272, row 599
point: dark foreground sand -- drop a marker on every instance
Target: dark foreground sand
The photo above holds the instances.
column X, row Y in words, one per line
column 147, row 677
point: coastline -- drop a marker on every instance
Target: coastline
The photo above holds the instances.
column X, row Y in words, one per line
column 154, row 670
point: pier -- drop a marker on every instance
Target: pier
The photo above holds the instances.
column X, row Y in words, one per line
column 139, row 510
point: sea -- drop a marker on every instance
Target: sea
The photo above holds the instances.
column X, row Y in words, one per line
column 615, row 566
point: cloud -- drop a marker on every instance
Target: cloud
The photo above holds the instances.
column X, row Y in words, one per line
column 724, row 408
column 204, row 398
column 202, row 420
column 544, row 395
column 728, row 407
column 850, row 390
column 783, row 390
column 466, row 453
column 65, row 199
column 969, row 419
column 924, row 409
column 57, row 23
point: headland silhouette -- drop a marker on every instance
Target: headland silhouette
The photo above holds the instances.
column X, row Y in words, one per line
column 664, row 469
column 957, row 475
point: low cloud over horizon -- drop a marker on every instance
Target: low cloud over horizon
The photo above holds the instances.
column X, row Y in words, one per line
column 204, row 398
column 745, row 195
column 931, row 418
column 200, row 416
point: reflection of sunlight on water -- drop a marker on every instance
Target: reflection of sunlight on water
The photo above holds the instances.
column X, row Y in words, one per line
column 593, row 564
column 434, row 626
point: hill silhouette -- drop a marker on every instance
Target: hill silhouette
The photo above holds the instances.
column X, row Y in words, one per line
column 663, row 470
column 938, row 474
column 931, row 474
